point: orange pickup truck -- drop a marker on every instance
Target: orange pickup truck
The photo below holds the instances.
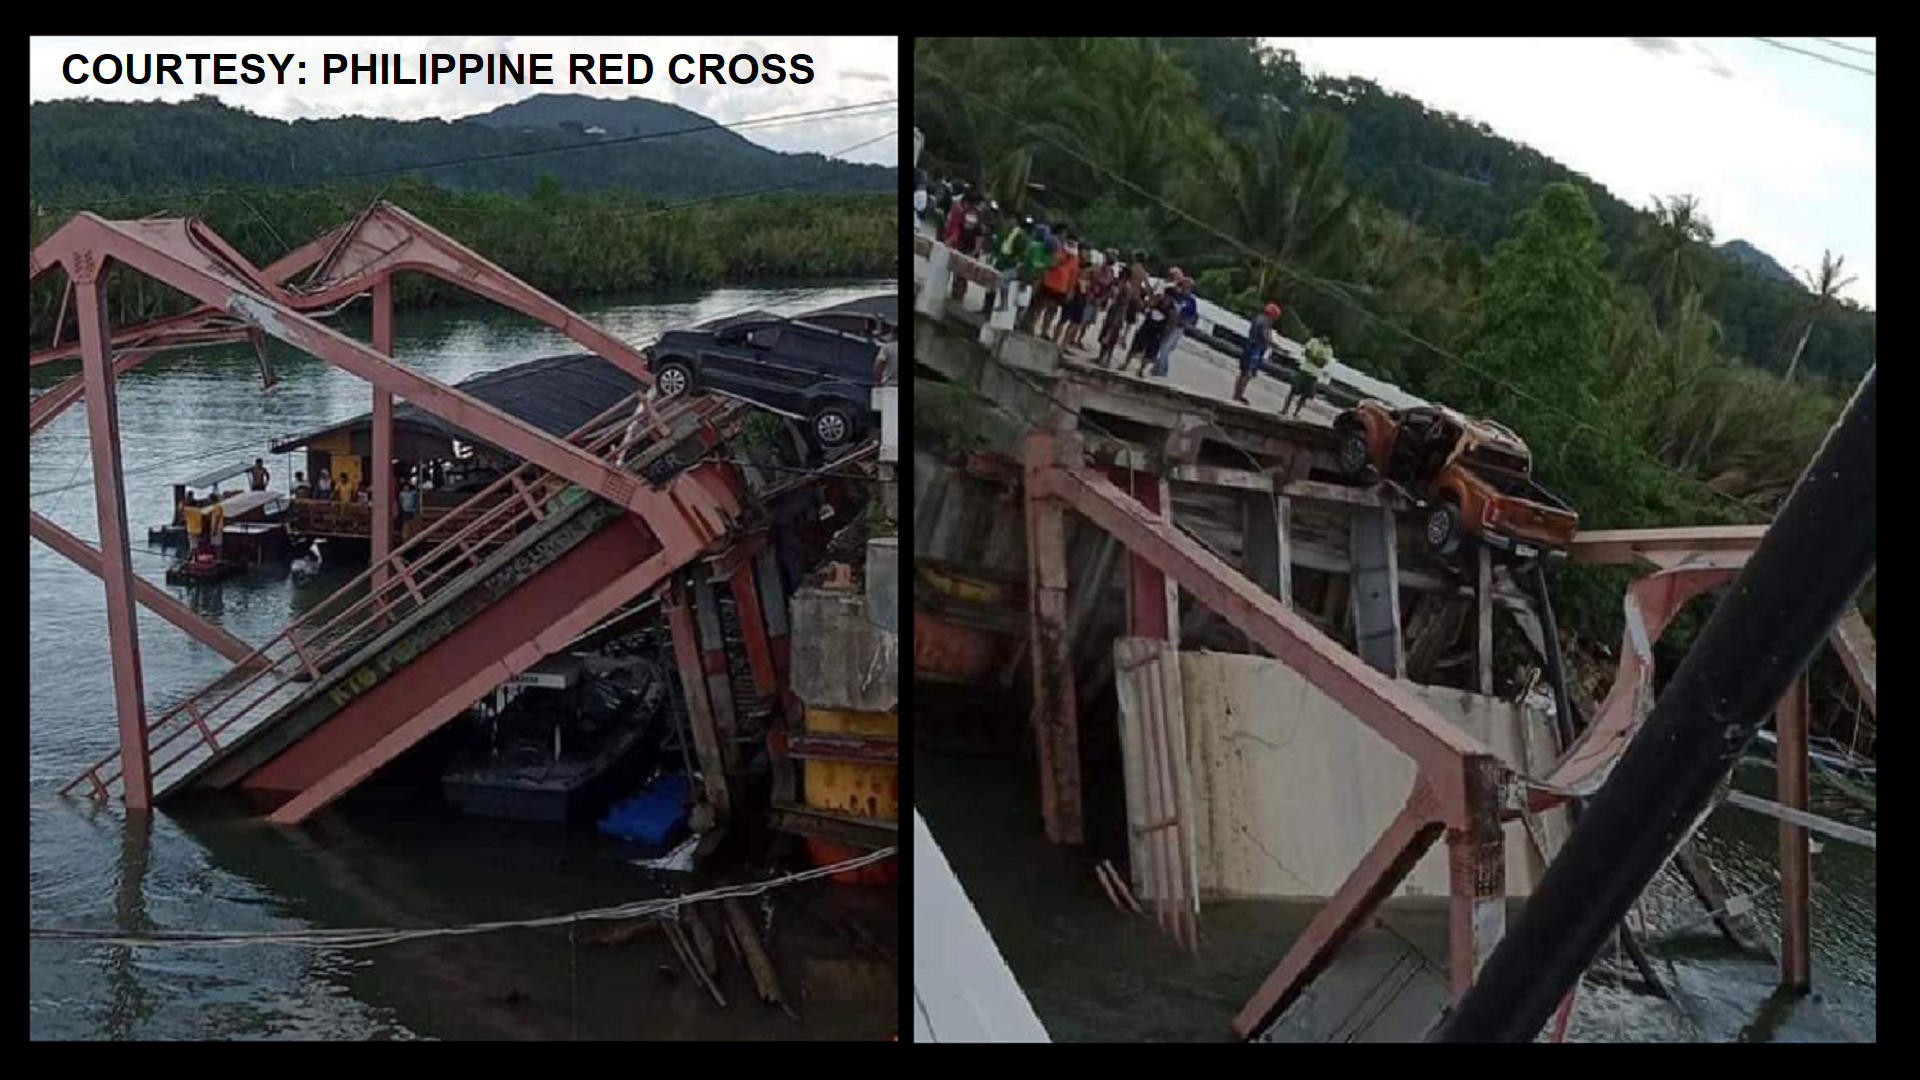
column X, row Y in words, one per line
column 1471, row 477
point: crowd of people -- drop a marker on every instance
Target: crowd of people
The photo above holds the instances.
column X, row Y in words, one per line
column 1058, row 285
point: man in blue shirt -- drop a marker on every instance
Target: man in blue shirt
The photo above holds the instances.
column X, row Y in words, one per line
column 1258, row 338
column 1186, row 313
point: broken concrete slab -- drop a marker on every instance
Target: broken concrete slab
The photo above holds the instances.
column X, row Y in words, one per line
column 1292, row 791
column 883, row 583
column 841, row 660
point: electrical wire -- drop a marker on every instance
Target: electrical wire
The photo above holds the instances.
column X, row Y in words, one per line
column 1844, row 45
column 1816, row 56
column 380, row 937
column 1333, row 290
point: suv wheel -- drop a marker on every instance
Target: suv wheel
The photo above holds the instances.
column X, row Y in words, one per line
column 833, row 426
column 675, row 379
column 1442, row 529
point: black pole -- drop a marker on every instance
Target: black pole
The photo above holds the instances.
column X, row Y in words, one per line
column 1563, row 718
column 1806, row 569
column 1570, row 726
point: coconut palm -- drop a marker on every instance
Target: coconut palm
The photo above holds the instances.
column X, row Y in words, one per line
column 1825, row 286
column 1671, row 256
column 1284, row 193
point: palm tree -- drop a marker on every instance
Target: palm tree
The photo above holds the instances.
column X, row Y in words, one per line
column 1285, row 193
column 1671, row 256
column 1825, row 286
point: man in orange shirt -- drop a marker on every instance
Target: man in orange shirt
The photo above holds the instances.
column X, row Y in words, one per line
column 1054, row 286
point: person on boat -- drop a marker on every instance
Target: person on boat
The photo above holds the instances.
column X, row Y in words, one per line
column 258, row 476
column 409, row 502
column 323, row 486
column 216, row 519
column 301, row 489
column 346, row 489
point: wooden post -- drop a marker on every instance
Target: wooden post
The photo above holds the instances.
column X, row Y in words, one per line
column 1796, row 869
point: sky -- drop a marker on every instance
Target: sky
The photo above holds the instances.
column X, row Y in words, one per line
column 1778, row 147
column 848, row 70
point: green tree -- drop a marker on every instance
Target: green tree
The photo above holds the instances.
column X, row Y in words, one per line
column 1284, row 193
column 1671, row 254
column 1537, row 333
column 1825, row 286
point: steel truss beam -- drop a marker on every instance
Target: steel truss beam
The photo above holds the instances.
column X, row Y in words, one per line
column 687, row 512
column 1460, row 784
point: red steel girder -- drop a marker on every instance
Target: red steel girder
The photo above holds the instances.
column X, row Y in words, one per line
column 1459, row 786
column 851, row 748
column 1375, row 699
column 179, row 255
column 160, row 602
column 524, row 653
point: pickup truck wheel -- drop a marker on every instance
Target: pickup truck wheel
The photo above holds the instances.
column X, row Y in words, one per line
column 1353, row 453
column 1443, row 529
column 674, row 379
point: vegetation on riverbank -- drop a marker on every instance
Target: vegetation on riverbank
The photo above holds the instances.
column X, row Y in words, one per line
column 564, row 243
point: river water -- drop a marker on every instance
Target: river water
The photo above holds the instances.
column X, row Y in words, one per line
column 1094, row 974
column 398, row 864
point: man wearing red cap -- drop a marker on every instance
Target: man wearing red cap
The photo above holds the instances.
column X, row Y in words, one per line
column 1259, row 335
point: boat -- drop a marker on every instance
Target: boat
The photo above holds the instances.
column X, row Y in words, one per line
column 1827, row 752
column 560, row 742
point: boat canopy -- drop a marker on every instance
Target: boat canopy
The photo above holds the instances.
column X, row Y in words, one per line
column 217, row 475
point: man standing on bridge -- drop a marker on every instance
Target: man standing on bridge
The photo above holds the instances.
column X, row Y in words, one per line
column 1259, row 335
column 1318, row 355
column 1185, row 313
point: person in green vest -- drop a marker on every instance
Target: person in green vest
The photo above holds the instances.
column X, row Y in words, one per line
column 1038, row 260
column 1318, row 355
column 1009, row 254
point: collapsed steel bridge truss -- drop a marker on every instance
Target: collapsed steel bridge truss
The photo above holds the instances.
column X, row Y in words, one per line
column 688, row 513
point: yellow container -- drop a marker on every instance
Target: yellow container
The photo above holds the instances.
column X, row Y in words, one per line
column 969, row 589
column 844, row 787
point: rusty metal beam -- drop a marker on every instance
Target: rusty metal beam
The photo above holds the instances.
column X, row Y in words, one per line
column 1381, row 870
column 1628, row 546
column 551, row 639
column 1056, row 718
column 1651, row 603
column 693, row 681
column 1376, row 700
column 175, row 255
column 158, row 601
column 388, row 240
column 116, row 563
column 1476, row 876
column 381, row 475
column 1796, row 861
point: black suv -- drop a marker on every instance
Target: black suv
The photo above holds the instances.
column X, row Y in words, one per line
column 822, row 376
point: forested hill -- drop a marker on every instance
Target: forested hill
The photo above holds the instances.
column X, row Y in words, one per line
column 79, row 146
column 1459, row 178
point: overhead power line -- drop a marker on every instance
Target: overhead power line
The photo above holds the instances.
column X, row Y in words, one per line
column 1844, row 45
column 1816, row 56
